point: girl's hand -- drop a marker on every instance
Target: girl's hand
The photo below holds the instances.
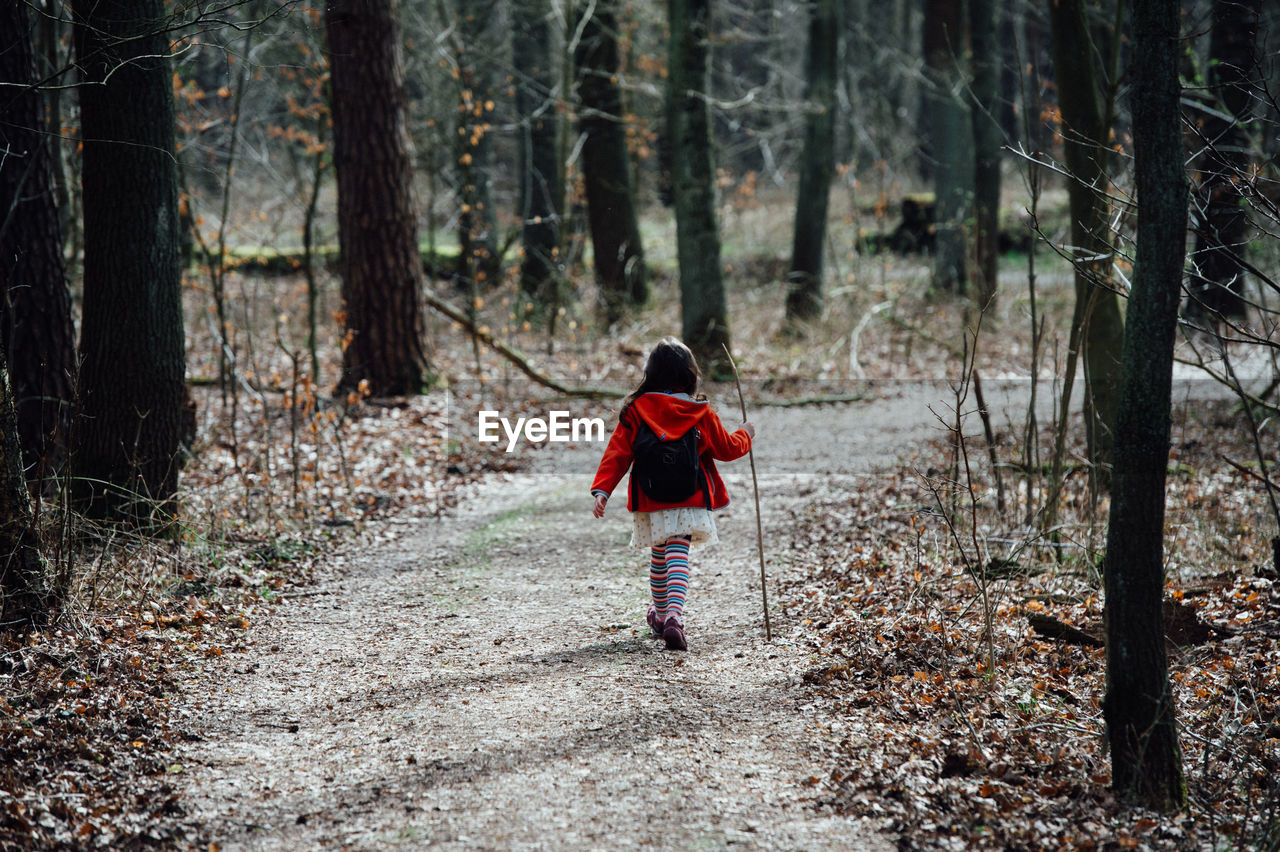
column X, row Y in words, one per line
column 601, row 500
column 750, row 430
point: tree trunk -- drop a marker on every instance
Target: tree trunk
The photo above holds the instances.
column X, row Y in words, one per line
column 25, row 596
column 702, row 299
column 606, row 168
column 36, row 334
column 817, row 164
column 1097, row 326
column 1270, row 74
column 854, row 79
column 1036, row 35
column 380, row 264
column 1146, row 762
column 946, row 46
column 1222, row 223
column 477, row 224
column 53, row 59
column 988, row 137
column 127, row 432
column 541, row 192
column 926, row 129
column 1011, row 72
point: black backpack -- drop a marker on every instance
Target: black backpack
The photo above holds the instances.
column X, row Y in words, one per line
column 666, row 471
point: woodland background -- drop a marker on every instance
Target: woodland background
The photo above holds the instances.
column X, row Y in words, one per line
column 247, row 245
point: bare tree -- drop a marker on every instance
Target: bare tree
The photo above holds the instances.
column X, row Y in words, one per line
column 478, row 258
column 1097, row 326
column 131, row 386
column 541, row 183
column 817, row 163
column 36, row 333
column 702, row 298
column 25, row 596
column 606, row 168
column 1146, row 761
column 380, row 264
column 946, row 49
column 988, row 138
column 1221, row 215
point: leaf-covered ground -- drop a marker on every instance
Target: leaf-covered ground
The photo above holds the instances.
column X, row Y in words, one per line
column 914, row 722
column 965, row 739
column 89, row 722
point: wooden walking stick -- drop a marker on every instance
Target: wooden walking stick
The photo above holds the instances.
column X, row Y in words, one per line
column 755, row 489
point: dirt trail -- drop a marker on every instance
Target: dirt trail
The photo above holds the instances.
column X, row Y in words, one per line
column 484, row 681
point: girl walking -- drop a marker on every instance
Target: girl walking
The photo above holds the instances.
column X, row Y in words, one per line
column 654, row 429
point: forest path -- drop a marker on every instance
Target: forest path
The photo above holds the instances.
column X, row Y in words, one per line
column 486, row 680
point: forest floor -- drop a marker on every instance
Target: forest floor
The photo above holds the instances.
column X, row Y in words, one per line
column 483, row 678
column 486, row 679
column 375, row 631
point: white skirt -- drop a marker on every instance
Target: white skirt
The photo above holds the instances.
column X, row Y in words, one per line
column 651, row 529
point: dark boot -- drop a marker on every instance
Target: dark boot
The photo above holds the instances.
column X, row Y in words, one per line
column 655, row 622
column 673, row 635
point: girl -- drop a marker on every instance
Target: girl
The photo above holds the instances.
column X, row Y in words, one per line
column 668, row 403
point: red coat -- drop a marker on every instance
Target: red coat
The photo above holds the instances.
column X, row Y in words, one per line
column 668, row 414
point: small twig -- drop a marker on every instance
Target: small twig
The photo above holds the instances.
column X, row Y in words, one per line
column 1250, row 474
column 990, row 434
column 1058, row 726
column 819, row 399
column 517, row 358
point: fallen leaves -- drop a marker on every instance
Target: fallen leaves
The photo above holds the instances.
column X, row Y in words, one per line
column 953, row 755
column 82, row 730
column 89, row 720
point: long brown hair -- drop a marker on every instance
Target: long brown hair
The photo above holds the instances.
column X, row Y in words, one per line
column 670, row 367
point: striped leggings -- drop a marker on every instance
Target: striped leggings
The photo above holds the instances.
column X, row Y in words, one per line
column 669, row 577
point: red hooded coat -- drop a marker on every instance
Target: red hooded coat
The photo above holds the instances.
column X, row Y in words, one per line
column 670, row 416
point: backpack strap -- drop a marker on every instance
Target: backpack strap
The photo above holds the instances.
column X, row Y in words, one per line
column 702, row 474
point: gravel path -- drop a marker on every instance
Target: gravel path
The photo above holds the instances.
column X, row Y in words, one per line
column 485, row 680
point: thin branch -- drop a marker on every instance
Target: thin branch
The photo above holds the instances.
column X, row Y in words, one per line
column 519, row 359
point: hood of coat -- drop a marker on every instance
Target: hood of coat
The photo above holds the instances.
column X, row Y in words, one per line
column 670, row 415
